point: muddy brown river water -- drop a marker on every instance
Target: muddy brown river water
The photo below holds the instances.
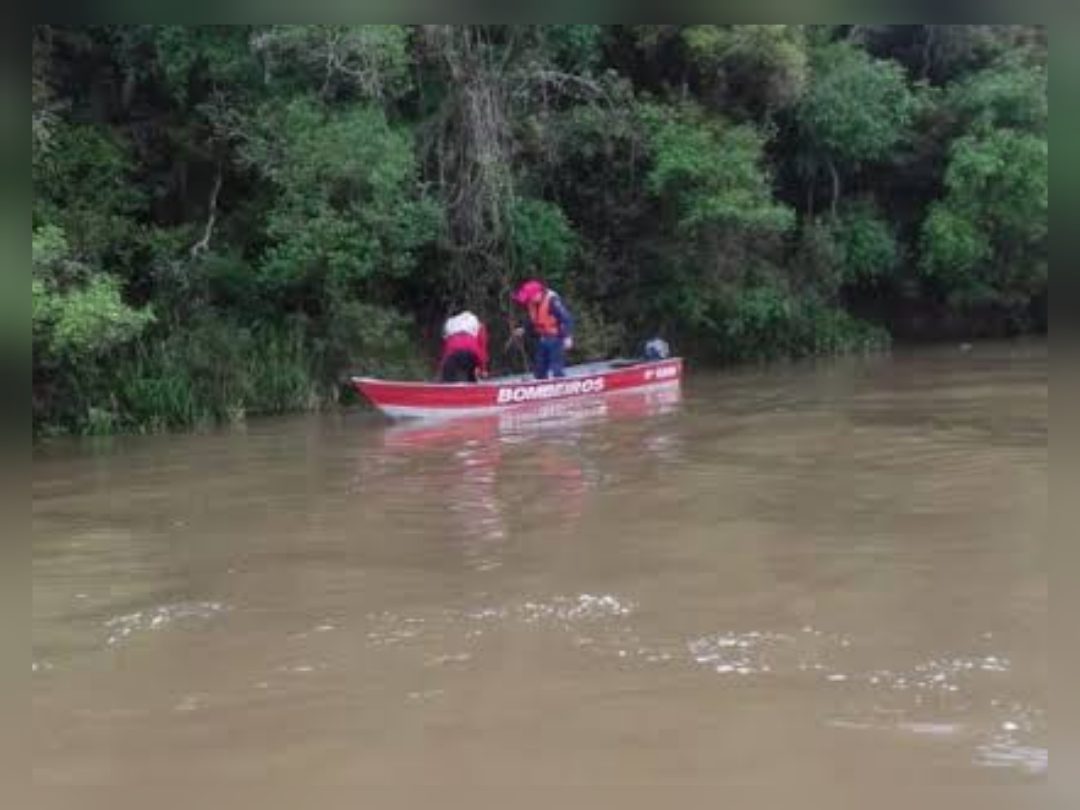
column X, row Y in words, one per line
column 826, row 572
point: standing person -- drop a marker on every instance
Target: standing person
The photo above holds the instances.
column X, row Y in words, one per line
column 465, row 349
column 550, row 323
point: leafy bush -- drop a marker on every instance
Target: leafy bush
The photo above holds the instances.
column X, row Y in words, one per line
column 77, row 315
column 867, row 246
column 766, row 323
column 541, row 237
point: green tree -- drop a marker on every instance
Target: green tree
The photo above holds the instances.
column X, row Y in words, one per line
column 349, row 209
column 1009, row 93
column 717, row 214
column 711, row 172
column 948, row 52
column 755, row 69
column 349, row 212
column 85, row 186
column 986, row 240
column 574, row 48
column 857, row 109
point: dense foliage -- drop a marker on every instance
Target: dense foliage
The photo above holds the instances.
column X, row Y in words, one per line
column 227, row 220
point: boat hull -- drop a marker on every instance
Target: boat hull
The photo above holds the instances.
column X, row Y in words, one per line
column 426, row 400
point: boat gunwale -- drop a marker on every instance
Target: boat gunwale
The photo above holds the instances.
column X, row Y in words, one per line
column 521, row 379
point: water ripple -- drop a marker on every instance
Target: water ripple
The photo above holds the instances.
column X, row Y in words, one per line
column 1004, row 752
column 122, row 628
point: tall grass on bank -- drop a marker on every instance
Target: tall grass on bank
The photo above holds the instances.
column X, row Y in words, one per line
column 214, row 372
column 217, row 373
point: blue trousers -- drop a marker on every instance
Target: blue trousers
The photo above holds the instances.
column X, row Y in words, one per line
column 549, row 358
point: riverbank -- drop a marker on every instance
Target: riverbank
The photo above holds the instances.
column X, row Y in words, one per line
column 227, row 218
column 215, row 377
column 297, row 392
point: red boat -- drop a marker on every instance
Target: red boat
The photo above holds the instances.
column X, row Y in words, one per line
column 400, row 400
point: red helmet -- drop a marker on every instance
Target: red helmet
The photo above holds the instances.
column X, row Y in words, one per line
column 528, row 291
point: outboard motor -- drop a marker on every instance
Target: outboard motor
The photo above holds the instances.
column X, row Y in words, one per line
column 657, row 349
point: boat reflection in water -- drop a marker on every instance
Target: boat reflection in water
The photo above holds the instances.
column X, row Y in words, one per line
column 555, row 418
column 461, row 463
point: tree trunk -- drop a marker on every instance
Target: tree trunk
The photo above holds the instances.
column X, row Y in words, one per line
column 928, row 47
column 204, row 244
column 835, row 186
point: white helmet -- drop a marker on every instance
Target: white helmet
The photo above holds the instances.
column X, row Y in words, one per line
column 462, row 322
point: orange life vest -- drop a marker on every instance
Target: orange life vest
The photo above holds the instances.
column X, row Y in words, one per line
column 543, row 320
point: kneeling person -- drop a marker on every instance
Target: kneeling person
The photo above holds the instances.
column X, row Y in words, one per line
column 465, row 349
